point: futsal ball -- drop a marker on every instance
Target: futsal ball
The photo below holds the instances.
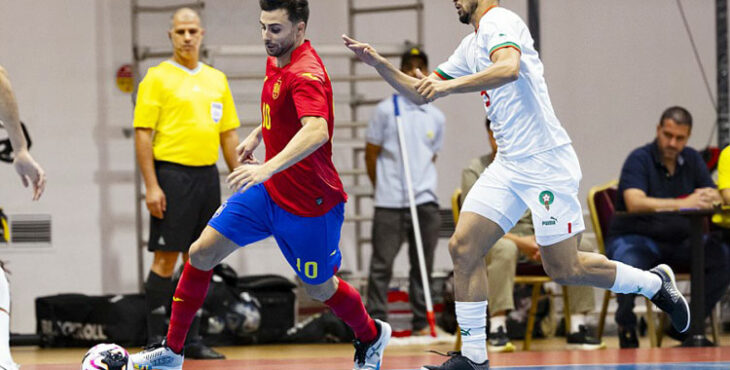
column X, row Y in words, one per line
column 106, row 357
column 242, row 317
column 249, row 309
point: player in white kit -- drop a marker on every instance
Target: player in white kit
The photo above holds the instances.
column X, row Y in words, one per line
column 535, row 167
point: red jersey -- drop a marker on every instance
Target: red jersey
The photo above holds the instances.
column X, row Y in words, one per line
column 310, row 187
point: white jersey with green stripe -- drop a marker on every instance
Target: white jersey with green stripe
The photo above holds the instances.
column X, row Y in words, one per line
column 522, row 115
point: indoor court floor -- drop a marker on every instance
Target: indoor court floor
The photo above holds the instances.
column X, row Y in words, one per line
column 548, row 354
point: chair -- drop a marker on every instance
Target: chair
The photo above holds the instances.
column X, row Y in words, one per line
column 527, row 273
column 601, row 200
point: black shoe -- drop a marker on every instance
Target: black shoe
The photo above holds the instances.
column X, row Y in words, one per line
column 458, row 362
column 583, row 340
column 671, row 332
column 627, row 337
column 200, row 351
column 670, row 300
column 499, row 342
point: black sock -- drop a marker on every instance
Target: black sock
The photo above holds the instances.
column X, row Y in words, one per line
column 158, row 293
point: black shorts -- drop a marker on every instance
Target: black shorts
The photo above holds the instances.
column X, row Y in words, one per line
column 193, row 194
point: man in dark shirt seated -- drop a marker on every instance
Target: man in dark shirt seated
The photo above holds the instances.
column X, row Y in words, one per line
column 664, row 175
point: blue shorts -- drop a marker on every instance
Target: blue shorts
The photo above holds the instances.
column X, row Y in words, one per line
column 309, row 244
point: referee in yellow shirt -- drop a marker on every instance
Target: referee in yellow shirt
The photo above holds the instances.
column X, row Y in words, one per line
column 184, row 114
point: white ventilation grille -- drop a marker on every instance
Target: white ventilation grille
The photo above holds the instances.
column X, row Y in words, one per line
column 26, row 230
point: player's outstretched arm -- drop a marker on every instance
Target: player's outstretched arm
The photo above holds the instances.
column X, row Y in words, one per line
column 29, row 170
column 313, row 134
column 505, row 69
column 400, row 81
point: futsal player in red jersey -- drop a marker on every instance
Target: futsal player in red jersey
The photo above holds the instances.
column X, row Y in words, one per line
column 296, row 195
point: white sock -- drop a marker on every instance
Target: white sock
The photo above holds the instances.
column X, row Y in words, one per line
column 630, row 280
column 576, row 320
column 5, row 357
column 495, row 322
column 472, row 319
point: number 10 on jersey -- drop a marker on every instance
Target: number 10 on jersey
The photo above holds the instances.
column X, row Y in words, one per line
column 310, row 268
column 266, row 116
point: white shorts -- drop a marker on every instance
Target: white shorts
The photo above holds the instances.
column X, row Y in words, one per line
column 546, row 182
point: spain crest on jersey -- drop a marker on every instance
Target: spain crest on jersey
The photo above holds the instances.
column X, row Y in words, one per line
column 277, row 88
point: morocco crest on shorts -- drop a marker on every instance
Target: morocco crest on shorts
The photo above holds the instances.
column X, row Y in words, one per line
column 547, row 198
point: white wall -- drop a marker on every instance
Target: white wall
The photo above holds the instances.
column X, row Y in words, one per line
column 49, row 51
column 612, row 67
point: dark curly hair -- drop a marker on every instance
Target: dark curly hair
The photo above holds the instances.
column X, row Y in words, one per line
column 298, row 9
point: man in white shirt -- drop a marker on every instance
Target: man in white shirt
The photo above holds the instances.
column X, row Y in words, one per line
column 536, row 168
column 423, row 127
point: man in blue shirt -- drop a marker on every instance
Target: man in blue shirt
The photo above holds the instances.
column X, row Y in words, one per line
column 392, row 224
column 664, row 175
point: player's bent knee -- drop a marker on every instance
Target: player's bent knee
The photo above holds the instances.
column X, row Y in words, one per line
column 463, row 254
column 203, row 257
column 321, row 291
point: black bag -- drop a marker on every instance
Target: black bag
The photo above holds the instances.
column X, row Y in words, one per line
column 320, row 328
column 229, row 317
column 77, row 320
column 277, row 298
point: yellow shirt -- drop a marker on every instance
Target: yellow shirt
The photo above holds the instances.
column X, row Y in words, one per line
column 187, row 109
column 723, row 182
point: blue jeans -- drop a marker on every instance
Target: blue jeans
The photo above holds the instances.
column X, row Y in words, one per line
column 644, row 253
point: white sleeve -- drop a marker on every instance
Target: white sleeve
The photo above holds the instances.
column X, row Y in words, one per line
column 456, row 66
column 376, row 127
column 497, row 33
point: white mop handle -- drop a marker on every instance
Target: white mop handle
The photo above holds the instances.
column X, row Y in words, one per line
column 412, row 203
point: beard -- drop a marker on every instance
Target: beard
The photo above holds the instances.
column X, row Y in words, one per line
column 466, row 12
column 281, row 48
column 465, row 18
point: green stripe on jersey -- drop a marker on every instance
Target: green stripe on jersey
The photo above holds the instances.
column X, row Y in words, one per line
column 443, row 74
column 503, row 45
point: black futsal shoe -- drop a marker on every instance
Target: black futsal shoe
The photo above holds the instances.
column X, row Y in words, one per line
column 583, row 340
column 627, row 337
column 671, row 332
column 458, row 362
column 200, row 351
column 670, row 300
column 499, row 342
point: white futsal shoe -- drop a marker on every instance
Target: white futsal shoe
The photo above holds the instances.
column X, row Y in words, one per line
column 370, row 355
column 156, row 357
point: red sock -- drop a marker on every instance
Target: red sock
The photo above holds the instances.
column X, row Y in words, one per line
column 347, row 305
column 188, row 298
